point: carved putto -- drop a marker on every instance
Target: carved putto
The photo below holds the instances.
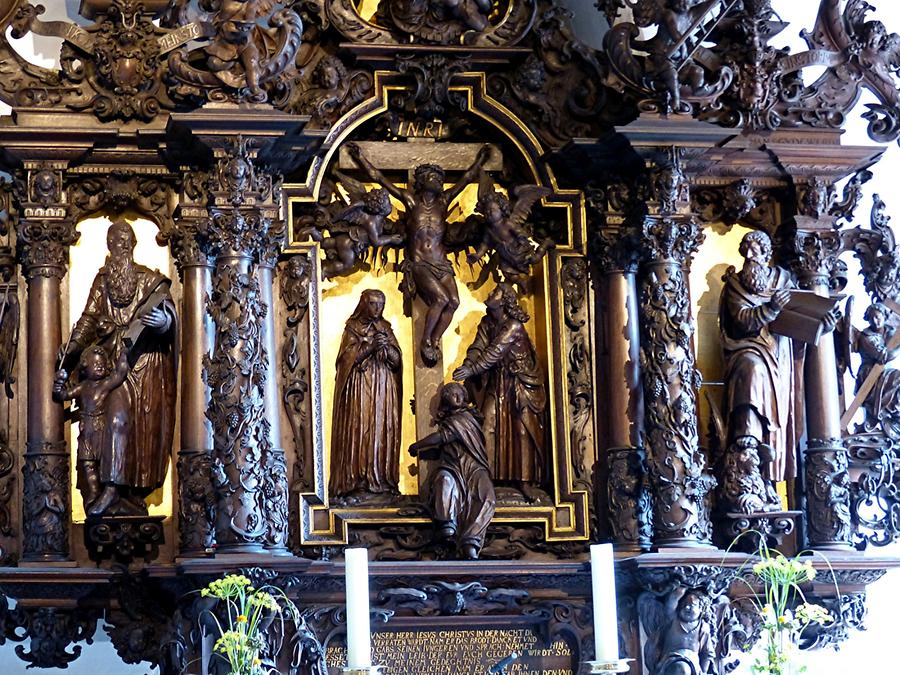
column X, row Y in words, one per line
column 677, row 69
column 505, row 231
column 241, row 56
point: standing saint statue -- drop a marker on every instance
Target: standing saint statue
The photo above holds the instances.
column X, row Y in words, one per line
column 129, row 308
column 427, row 273
column 462, row 495
column 501, row 367
column 882, row 404
column 365, row 422
column 760, row 403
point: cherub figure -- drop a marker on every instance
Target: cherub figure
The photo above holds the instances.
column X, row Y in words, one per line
column 668, row 50
column 355, row 229
column 98, row 379
column 235, row 21
column 679, row 640
column 505, row 231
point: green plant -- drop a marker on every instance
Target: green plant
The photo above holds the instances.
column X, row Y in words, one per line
column 248, row 612
column 781, row 578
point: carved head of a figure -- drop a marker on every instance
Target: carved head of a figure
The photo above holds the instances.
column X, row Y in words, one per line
column 503, row 302
column 494, row 207
column 428, row 178
column 94, row 363
column 756, row 246
column 329, row 73
column 378, row 202
column 877, row 315
column 120, row 239
column 691, row 607
column 454, row 396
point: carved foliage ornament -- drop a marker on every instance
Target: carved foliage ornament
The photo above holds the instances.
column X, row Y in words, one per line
column 559, row 85
column 676, row 464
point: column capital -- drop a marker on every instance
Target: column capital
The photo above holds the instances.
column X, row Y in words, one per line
column 813, row 247
column 45, row 229
column 673, row 239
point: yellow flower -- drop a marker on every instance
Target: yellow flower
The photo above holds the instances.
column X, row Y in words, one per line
column 241, row 618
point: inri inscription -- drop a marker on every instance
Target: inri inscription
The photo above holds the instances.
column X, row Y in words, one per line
column 454, row 652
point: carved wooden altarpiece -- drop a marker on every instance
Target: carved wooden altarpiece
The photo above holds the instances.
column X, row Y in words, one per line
column 364, row 202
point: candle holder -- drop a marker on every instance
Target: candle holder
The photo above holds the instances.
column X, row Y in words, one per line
column 368, row 670
column 619, row 666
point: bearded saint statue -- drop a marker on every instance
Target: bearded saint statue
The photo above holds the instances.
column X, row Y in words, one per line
column 129, row 308
column 759, row 368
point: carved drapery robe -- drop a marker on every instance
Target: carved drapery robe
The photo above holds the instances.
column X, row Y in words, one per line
column 513, row 399
column 882, row 404
column 760, row 372
column 365, row 427
column 462, row 493
column 140, row 414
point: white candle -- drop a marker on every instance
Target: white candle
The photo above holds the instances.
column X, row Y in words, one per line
column 359, row 645
column 603, row 587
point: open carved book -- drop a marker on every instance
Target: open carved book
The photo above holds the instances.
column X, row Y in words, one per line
column 801, row 319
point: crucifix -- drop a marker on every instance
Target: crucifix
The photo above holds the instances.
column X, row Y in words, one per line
column 429, row 282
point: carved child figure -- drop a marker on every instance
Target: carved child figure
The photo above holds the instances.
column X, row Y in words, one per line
column 682, row 645
column 354, row 230
column 235, row 21
column 504, row 231
column 463, row 498
column 98, row 379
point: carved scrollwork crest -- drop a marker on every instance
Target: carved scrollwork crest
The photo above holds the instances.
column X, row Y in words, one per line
column 475, row 23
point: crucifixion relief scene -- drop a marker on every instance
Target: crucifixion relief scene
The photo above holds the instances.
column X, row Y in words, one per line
column 449, row 337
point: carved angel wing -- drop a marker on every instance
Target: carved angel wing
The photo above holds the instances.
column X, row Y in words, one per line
column 355, row 189
column 350, row 214
column 526, row 196
column 653, row 615
column 832, row 30
column 845, row 338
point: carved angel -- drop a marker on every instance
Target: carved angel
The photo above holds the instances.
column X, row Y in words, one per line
column 872, row 61
column 504, row 229
column 241, row 54
column 674, row 54
column 358, row 226
column 333, row 90
column 679, row 637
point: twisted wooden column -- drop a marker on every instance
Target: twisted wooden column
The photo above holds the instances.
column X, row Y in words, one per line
column 45, row 233
column 679, row 483
column 248, row 472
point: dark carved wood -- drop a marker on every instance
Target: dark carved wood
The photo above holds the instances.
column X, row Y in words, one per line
column 235, row 127
column 677, row 468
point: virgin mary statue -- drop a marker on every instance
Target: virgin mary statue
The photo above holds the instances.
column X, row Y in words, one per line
column 365, row 422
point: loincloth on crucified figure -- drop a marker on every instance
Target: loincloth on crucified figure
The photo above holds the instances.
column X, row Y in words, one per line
column 412, row 269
